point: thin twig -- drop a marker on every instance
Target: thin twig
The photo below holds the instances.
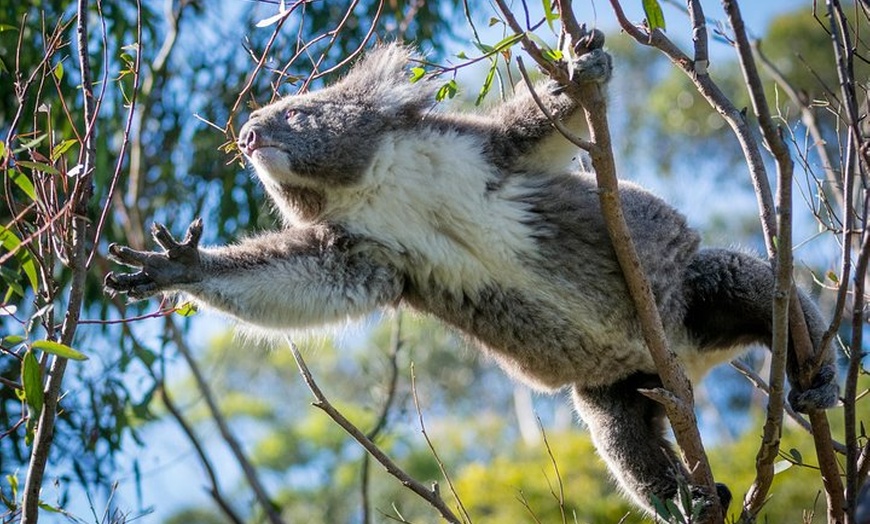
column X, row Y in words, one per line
column 204, row 460
column 383, row 416
column 431, row 496
column 467, row 517
column 265, row 501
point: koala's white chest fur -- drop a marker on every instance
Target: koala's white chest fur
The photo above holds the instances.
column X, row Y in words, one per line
column 447, row 228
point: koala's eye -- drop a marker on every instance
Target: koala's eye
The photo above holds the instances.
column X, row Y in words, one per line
column 293, row 114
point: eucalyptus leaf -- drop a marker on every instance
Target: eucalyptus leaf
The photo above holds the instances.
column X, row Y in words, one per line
column 56, row 348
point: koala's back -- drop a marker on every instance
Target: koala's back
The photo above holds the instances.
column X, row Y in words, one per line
column 562, row 313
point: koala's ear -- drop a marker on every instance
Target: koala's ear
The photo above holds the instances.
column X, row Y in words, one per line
column 382, row 78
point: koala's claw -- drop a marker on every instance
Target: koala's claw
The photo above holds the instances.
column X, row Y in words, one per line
column 703, row 498
column 178, row 263
column 823, row 393
column 594, row 39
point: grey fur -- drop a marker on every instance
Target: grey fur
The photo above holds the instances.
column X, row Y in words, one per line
column 478, row 220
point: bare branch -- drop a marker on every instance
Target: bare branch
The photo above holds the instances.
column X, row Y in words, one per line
column 269, row 507
column 80, row 196
column 432, row 496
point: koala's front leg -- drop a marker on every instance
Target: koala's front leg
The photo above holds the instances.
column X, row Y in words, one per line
column 178, row 264
column 522, row 133
column 285, row 279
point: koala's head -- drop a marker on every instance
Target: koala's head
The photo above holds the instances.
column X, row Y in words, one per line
column 326, row 139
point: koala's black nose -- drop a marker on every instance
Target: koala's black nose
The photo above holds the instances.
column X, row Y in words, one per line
column 248, row 139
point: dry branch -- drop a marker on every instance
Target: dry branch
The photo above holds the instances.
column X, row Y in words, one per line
column 432, row 496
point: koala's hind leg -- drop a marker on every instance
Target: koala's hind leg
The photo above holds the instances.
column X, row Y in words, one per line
column 730, row 299
column 628, row 430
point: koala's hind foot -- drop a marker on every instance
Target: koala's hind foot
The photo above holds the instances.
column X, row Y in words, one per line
column 823, row 393
column 730, row 300
column 178, row 264
column 628, row 430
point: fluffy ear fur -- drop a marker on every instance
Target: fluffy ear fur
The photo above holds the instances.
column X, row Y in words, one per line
column 382, row 79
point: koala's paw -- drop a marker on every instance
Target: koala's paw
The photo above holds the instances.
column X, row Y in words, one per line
column 594, row 67
column 823, row 393
column 177, row 264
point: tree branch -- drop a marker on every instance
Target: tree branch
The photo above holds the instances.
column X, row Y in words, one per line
column 269, row 507
column 432, row 496
column 80, row 196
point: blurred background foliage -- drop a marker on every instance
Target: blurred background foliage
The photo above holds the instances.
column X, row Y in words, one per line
column 119, row 444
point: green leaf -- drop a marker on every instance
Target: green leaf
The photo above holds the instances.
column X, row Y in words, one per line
column 62, row 148
column 56, row 348
column 12, row 340
column 22, row 182
column 188, row 309
column 48, row 507
column 549, row 14
column 38, row 166
column 655, row 19
column 31, row 144
column 147, row 356
column 58, row 71
column 417, row 73
column 28, row 265
column 553, row 55
column 2, row 150
column 31, row 379
column 487, row 83
column 833, row 277
column 796, row 455
column 448, row 90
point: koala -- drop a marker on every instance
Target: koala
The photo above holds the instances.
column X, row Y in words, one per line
column 482, row 220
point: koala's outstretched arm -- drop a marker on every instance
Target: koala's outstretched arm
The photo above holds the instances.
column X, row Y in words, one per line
column 525, row 136
column 730, row 296
column 285, row 279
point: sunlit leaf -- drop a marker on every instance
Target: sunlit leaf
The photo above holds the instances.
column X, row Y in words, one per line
column 655, row 19
column 30, row 144
column 11, row 242
column 12, row 340
column 188, row 309
column 62, row 148
column 549, row 14
column 448, row 90
column 23, row 183
column 417, row 73
column 31, row 380
column 58, row 71
column 487, row 83
column 56, row 348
